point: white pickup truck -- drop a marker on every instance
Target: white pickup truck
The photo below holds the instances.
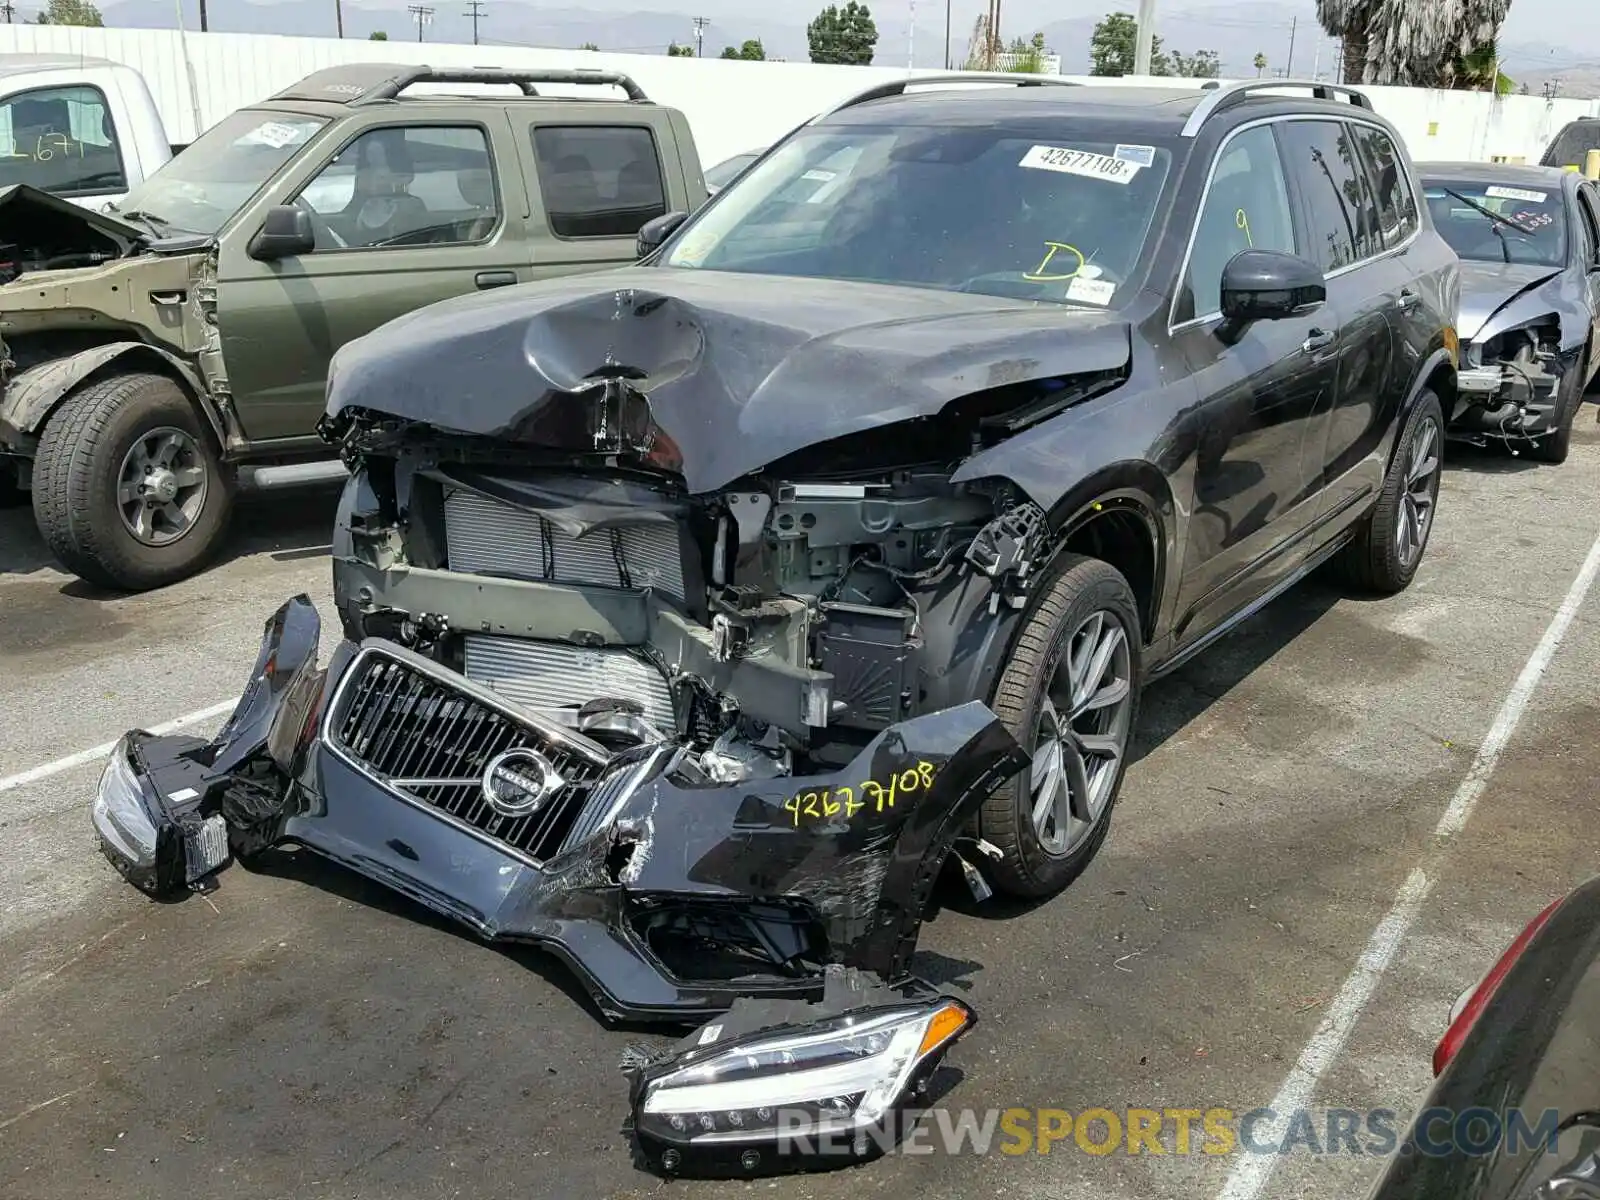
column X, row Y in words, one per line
column 84, row 129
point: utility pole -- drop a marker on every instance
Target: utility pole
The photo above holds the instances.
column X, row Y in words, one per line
column 947, row 34
column 9, row 9
column 1145, row 39
column 911, row 39
column 423, row 15
column 1288, row 67
column 338, row 16
column 700, row 24
column 204, row 24
column 475, row 11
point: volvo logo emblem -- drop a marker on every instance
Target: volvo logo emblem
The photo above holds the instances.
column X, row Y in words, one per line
column 518, row 782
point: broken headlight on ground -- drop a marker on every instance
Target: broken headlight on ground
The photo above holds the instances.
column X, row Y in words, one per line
column 146, row 813
column 800, row 1091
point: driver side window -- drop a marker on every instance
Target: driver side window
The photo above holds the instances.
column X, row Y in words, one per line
column 1246, row 207
column 423, row 185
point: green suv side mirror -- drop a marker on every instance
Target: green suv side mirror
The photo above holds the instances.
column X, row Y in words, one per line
column 285, row 233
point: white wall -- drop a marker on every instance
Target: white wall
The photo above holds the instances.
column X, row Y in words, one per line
column 732, row 106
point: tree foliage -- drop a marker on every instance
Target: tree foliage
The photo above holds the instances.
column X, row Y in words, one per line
column 750, row 51
column 1028, row 56
column 378, row 36
column 1412, row 43
column 676, row 51
column 1202, row 64
column 845, row 35
column 1113, row 47
column 1260, row 63
column 70, row 12
column 589, row 46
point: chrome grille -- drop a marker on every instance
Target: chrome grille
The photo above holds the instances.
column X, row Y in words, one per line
column 430, row 742
column 488, row 537
column 555, row 675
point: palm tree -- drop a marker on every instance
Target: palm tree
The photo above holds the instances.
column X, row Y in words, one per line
column 1260, row 63
column 1410, row 43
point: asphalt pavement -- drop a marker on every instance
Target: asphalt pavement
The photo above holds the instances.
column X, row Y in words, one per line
column 1254, row 930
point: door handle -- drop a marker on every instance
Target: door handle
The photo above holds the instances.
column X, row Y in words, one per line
column 1409, row 299
column 489, row 279
column 1316, row 340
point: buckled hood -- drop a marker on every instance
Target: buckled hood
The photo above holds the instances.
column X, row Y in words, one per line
column 739, row 370
column 1488, row 287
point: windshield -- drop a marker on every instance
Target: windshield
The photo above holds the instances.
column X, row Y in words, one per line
column 1002, row 212
column 197, row 191
column 1477, row 237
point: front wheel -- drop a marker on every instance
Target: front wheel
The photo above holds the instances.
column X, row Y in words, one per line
column 128, row 489
column 1554, row 446
column 1389, row 543
column 1069, row 693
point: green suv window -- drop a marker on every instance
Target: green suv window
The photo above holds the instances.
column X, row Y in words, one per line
column 422, row 185
column 598, row 180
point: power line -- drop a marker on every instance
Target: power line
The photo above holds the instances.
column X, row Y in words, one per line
column 475, row 11
column 700, row 24
column 423, row 15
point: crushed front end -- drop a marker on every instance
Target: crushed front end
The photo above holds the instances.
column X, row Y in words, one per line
column 1511, row 386
column 698, row 746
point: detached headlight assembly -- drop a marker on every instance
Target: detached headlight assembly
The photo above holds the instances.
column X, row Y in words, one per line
column 798, row 1096
column 150, row 828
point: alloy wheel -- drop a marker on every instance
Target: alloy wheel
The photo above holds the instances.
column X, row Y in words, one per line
column 1414, row 516
column 161, row 486
column 1082, row 735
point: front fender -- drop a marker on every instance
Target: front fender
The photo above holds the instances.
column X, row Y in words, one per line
column 33, row 394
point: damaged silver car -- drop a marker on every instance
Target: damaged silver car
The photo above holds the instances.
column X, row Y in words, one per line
column 1529, row 243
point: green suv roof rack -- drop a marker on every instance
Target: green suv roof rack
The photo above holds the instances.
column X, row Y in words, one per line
column 374, row 83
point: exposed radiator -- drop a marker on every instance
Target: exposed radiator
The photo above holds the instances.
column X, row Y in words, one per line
column 420, row 735
column 555, row 675
column 487, row 537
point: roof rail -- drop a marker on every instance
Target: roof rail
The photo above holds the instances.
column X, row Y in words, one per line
column 1219, row 98
column 898, row 87
column 392, row 88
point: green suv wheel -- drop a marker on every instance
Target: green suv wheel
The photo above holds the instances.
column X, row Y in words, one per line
column 128, row 488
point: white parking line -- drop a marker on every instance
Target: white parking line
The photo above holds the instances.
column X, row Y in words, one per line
column 1252, row 1171
column 34, row 774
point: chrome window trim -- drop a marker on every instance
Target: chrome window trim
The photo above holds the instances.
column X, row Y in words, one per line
column 1194, row 226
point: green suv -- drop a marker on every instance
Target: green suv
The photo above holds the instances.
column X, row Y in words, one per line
column 162, row 355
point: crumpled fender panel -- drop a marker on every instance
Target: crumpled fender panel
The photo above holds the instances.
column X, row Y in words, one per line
column 860, row 848
column 31, row 395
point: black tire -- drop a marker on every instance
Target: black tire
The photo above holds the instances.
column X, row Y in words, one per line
column 1375, row 561
column 75, row 483
column 1554, row 447
column 1075, row 591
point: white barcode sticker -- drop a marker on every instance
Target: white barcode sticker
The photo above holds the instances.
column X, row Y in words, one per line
column 1511, row 193
column 709, row 1034
column 1145, row 156
column 1080, row 162
column 182, row 794
column 1091, row 291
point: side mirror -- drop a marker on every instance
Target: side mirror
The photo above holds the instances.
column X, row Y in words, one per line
column 656, row 231
column 1268, row 285
column 285, row 233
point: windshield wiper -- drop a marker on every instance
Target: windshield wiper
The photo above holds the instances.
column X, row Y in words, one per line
column 156, row 225
column 1491, row 214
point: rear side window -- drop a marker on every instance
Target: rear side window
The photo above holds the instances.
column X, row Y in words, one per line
column 1246, row 207
column 1392, row 187
column 1324, row 162
column 598, row 180
column 1570, row 147
column 1589, row 222
column 61, row 140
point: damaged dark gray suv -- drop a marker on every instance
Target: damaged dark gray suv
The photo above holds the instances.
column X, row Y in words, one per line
column 695, row 612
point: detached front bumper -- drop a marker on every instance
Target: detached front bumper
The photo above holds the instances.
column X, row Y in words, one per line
column 1511, row 399
column 669, row 895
